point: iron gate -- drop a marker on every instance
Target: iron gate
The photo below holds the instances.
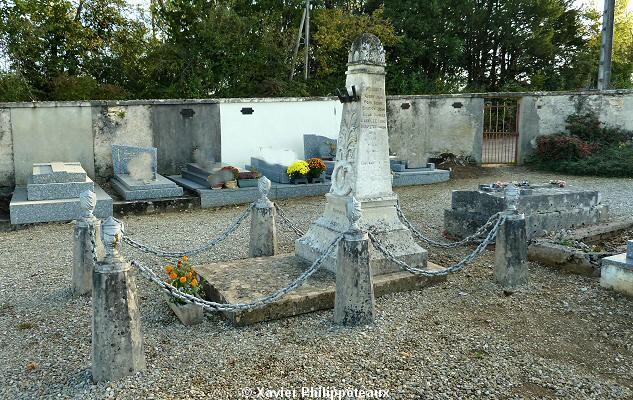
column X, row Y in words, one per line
column 501, row 131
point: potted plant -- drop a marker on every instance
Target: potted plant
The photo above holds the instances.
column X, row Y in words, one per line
column 185, row 278
column 298, row 172
column 232, row 176
column 248, row 178
column 317, row 166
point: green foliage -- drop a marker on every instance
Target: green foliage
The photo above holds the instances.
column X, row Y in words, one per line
column 587, row 148
column 336, row 30
column 105, row 49
column 13, row 87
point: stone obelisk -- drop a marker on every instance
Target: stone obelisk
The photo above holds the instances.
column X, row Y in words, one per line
column 362, row 168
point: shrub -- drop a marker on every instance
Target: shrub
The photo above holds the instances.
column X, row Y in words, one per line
column 561, row 147
column 588, row 127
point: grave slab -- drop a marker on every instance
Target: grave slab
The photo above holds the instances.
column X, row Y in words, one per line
column 617, row 272
column 58, row 172
column 54, row 191
column 132, row 189
column 546, row 208
column 242, row 281
column 24, row 211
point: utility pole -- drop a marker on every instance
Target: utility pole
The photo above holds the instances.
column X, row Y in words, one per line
column 307, row 42
column 294, row 54
column 606, row 50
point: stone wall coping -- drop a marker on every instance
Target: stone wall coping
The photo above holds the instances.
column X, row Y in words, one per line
column 148, row 102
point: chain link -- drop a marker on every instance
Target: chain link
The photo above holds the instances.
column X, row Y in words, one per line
column 448, row 245
column 213, row 306
column 287, row 221
column 92, row 227
column 454, row 268
column 193, row 251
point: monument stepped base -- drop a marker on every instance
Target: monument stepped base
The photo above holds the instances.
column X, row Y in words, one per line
column 243, row 281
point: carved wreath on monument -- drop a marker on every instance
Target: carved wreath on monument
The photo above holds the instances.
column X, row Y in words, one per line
column 346, row 151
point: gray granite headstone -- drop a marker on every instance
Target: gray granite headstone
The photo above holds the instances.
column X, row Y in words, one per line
column 318, row 146
column 122, row 155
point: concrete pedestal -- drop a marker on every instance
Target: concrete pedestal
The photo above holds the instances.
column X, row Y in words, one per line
column 511, row 268
column 263, row 236
column 117, row 340
column 354, row 302
column 83, row 263
column 617, row 271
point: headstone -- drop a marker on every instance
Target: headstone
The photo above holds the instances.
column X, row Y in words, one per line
column 52, row 194
column 318, row 146
column 362, row 169
column 136, row 177
column 122, row 155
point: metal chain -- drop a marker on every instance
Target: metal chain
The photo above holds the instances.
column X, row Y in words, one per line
column 93, row 242
column 448, row 245
column 213, row 306
column 193, row 251
column 454, row 268
column 287, row 221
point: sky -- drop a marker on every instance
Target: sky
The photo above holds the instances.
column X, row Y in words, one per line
column 598, row 4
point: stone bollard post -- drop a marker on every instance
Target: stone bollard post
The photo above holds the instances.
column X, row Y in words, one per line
column 85, row 246
column 511, row 267
column 354, row 302
column 263, row 241
column 117, row 340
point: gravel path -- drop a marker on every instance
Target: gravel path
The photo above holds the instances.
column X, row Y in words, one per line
column 561, row 336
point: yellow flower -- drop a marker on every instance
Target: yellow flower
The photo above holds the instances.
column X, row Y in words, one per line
column 183, row 279
column 169, row 268
column 194, row 282
column 299, row 167
column 189, row 274
column 185, row 258
column 173, row 276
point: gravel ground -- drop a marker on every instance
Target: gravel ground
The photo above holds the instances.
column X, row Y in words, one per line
column 561, row 336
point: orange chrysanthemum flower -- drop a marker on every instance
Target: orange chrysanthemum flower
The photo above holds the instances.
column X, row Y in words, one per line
column 183, row 279
column 185, row 258
column 173, row 276
column 194, row 282
column 169, row 268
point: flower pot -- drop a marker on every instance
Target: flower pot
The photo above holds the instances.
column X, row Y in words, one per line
column 247, row 183
column 230, row 184
column 188, row 314
column 299, row 180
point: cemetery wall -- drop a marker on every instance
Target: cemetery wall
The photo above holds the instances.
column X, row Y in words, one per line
column 233, row 130
column 425, row 126
column 249, row 125
column 545, row 114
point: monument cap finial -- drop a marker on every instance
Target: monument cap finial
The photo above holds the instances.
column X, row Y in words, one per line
column 367, row 49
column 111, row 235
column 264, row 185
column 512, row 197
column 88, row 202
column 354, row 212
